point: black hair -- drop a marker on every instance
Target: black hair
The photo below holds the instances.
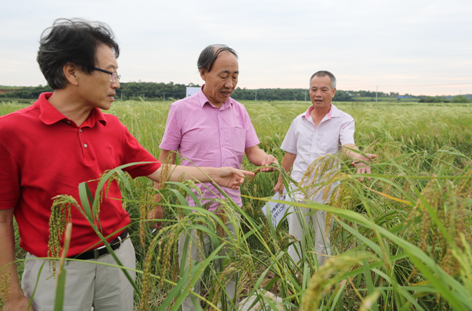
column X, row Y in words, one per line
column 72, row 41
column 209, row 55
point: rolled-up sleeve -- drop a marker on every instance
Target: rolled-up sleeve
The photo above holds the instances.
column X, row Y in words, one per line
column 251, row 135
column 173, row 133
column 10, row 178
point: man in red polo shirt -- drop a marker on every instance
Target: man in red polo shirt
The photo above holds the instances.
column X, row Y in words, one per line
column 62, row 140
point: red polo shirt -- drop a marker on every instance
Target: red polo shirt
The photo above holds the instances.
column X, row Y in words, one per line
column 44, row 154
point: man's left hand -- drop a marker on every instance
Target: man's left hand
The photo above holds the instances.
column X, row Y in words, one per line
column 268, row 160
column 362, row 164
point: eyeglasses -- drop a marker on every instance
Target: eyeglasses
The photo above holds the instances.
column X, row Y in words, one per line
column 113, row 75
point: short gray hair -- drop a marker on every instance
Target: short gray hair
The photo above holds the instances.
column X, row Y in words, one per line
column 324, row 73
column 209, row 55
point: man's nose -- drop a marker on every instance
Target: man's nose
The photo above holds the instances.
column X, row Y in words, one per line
column 115, row 84
column 229, row 83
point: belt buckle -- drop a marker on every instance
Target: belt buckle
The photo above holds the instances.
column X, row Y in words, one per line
column 96, row 252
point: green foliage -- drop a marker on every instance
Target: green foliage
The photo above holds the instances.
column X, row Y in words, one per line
column 400, row 241
column 136, row 90
column 27, row 92
column 460, row 99
column 431, row 99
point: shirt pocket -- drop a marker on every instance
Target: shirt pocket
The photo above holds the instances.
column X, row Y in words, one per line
column 329, row 144
column 239, row 140
column 108, row 153
column 305, row 143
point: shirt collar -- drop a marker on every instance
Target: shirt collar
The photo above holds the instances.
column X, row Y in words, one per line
column 50, row 115
column 333, row 112
column 202, row 99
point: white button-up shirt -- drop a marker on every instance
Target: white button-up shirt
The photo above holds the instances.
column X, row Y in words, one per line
column 310, row 142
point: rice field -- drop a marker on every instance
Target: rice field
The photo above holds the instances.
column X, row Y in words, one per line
column 400, row 241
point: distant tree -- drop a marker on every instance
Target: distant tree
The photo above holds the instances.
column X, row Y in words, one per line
column 342, row 96
column 460, row 99
column 430, row 99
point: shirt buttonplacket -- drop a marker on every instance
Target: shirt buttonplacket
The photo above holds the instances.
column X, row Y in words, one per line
column 84, row 145
column 221, row 135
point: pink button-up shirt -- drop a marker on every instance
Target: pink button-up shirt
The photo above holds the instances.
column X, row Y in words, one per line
column 206, row 136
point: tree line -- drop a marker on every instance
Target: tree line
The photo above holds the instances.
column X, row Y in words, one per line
column 171, row 91
column 440, row 99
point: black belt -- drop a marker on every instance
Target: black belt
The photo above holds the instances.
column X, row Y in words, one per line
column 102, row 250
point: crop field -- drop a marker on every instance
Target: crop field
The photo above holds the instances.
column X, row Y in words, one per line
column 399, row 241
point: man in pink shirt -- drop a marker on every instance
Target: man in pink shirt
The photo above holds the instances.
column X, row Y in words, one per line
column 48, row 149
column 212, row 129
column 323, row 129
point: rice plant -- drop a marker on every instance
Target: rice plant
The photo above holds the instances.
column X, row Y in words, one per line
column 400, row 241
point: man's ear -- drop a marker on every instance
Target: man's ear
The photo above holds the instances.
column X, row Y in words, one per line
column 334, row 92
column 203, row 72
column 71, row 72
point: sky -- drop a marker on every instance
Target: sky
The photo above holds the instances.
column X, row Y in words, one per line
column 406, row 46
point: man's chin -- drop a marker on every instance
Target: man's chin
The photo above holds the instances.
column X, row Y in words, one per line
column 225, row 97
column 105, row 106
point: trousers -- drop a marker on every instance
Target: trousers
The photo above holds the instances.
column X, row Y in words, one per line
column 194, row 255
column 301, row 225
column 88, row 284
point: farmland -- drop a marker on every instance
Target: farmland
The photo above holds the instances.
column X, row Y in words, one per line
column 400, row 241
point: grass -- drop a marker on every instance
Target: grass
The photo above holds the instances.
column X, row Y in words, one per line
column 400, row 241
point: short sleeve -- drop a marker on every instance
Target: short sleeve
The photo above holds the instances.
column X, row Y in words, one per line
column 251, row 135
column 346, row 134
column 10, row 176
column 290, row 141
column 173, row 133
column 134, row 152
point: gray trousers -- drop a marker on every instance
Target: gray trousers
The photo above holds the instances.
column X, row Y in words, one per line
column 299, row 230
column 194, row 255
column 87, row 284
column 300, row 224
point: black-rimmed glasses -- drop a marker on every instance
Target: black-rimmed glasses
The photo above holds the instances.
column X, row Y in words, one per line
column 113, row 75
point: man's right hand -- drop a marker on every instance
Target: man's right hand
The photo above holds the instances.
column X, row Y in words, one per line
column 279, row 187
column 230, row 177
column 18, row 304
column 156, row 212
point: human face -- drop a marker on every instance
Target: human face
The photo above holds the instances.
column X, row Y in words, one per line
column 321, row 92
column 96, row 89
column 221, row 81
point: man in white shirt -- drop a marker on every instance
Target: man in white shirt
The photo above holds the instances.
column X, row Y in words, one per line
column 323, row 129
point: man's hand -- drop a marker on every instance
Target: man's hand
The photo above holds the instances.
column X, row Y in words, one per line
column 18, row 304
column 258, row 157
column 362, row 164
column 268, row 160
column 156, row 213
column 279, row 187
column 230, row 177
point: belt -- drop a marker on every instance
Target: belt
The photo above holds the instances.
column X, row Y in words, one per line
column 102, row 250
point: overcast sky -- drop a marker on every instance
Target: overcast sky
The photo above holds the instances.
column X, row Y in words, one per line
column 418, row 47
